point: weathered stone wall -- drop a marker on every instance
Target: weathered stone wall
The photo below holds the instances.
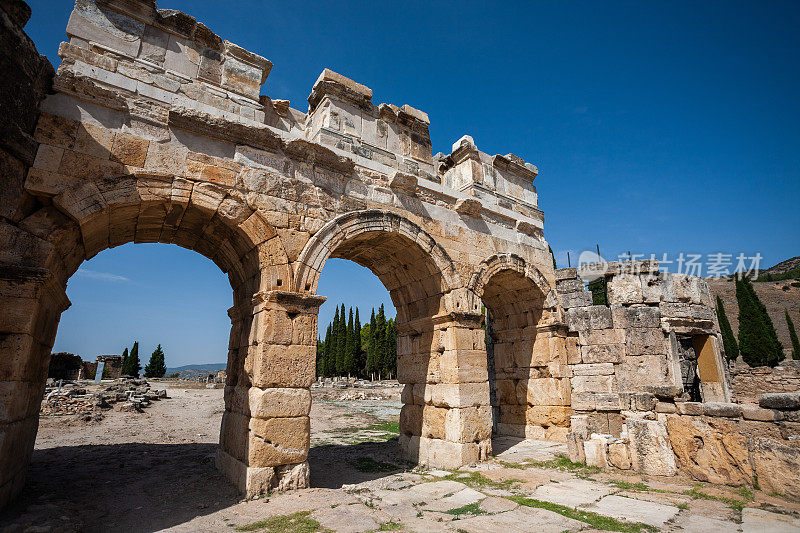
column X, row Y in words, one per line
column 26, row 78
column 749, row 383
column 625, row 355
column 717, row 442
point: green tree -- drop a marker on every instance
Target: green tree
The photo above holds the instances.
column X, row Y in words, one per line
column 326, row 359
column 728, row 338
column 320, row 357
column 349, row 359
column 792, row 336
column 372, row 343
column 132, row 366
column 124, row 356
column 380, row 341
column 390, row 349
column 157, row 367
column 341, row 343
column 553, row 256
column 333, row 354
column 358, row 358
column 757, row 344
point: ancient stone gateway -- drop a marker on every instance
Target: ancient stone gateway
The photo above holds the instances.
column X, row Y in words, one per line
column 155, row 131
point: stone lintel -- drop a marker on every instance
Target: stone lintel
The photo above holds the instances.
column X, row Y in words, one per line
column 246, row 56
column 470, row 319
column 333, row 83
column 403, row 182
column 410, row 113
column 470, row 207
column 516, row 165
column 292, row 302
column 46, row 283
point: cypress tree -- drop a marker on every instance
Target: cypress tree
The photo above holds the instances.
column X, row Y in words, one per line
column 792, row 336
column 124, row 356
column 132, row 366
column 341, row 343
column 553, row 256
column 334, row 353
column 774, row 346
column 350, row 347
column 157, row 367
column 380, row 341
column 358, row 361
column 372, row 345
column 326, row 359
column 728, row 339
column 756, row 344
column 390, row 354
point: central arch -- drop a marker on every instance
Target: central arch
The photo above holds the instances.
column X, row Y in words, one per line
column 530, row 386
column 445, row 420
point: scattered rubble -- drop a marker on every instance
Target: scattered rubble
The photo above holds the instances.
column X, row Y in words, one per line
column 75, row 398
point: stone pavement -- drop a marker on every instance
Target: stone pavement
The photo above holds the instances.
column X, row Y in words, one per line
column 538, row 491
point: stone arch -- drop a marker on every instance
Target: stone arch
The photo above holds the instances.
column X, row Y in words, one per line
column 512, row 262
column 87, row 217
column 526, row 357
column 363, row 236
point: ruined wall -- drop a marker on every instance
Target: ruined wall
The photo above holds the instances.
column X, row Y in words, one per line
column 26, row 78
column 749, row 383
column 626, row 355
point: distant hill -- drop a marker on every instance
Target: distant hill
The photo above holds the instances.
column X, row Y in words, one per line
column 193, row 371
column 784, row 266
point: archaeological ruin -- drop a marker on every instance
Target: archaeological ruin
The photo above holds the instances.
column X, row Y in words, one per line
column 154, row 129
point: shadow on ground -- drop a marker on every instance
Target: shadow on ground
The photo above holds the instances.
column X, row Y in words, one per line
column 334, row 465
column 148, row 487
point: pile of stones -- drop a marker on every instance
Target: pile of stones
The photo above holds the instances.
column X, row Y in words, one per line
column 69, row 398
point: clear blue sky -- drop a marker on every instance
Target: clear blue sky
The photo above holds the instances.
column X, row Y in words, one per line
column 657, row 128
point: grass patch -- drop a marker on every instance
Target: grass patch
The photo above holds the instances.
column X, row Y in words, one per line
column 292, row 523
column 562, row 462
column 387, row 426
column 471, row 509
column 370, row 465
column 595, row 520
column 736, row 505
column 390, row 526
column 478, row 480
column 625, row 485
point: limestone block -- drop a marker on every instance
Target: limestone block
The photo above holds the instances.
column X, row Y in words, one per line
column 570, row 285
column 457, row 394
column 596, row 452
column 575, row 299
column 689, row 408
column 279, row 402
column 603, row 353
column 411, row 419
column 666, row 407
column 600, row 317
column 686, row 288
column 641, row 341
column 278, row 441
column 592, row 369
column 548, row 415
column 513, row 414
column 129, row 150
column 19, row 399
column 618, row 454
column 642, row 373
column 643, row 317
column 511, row 430
column 722, row 409
column 607, row 402
column 573, row 350
column 601, row 336
column 583, row 401
column 93, row 22
column 780, row 400
column 468, row 424
column 776, row 466
column 283, row 366
column 407, row 394
column 710, row 450
column 553, row 434
column 605, row 384
column 463, row 366
column 433, row 421
column 575, row 448
column 650, row 449
column 751, row 412
column 469, row 207
column 543, row 391
column 625, row 289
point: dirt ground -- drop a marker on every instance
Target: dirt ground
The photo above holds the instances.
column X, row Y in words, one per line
column 151, row 471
